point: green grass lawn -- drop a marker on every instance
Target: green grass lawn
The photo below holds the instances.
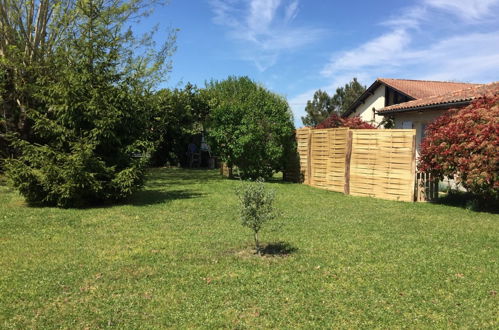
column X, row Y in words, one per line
column 176, row 256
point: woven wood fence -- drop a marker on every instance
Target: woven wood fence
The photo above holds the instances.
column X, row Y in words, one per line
column 376, row 163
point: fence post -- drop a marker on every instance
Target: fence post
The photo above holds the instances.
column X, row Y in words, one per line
column 309, row 157
column 413, row 166
column 348, row 157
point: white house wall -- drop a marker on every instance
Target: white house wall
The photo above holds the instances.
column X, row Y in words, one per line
column 365, row 110
column 416, row 120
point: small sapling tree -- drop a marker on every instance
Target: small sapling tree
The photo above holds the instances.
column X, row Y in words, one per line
column 256, row 206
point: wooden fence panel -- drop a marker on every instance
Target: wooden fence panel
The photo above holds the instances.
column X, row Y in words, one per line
column 382, row 164
column 376, row 163
column 303, row 144
column 335, row 168
column 319, row 146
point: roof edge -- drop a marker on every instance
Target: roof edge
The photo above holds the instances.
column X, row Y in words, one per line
column 425, row 107
column 362, row 97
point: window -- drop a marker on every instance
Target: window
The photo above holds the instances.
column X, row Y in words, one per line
column 407, row 124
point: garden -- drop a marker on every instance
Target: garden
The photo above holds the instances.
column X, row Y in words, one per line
column 103, row 223
column 177, row 256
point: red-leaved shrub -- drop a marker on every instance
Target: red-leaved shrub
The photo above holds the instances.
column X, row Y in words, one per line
column 334, row 121
column 464, row 144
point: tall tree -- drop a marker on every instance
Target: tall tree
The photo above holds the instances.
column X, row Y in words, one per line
column 33, row 31
column 323, row 105
column 89, row 115
column 30, row 30
column 178, row 115
column 346, row 95
column 252, row 127
column 318, row 109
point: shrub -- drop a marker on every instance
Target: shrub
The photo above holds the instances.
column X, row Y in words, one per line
column 256, row 207
column 335, row 120
column 464, row 144
column 177, row 116
column 250, row 127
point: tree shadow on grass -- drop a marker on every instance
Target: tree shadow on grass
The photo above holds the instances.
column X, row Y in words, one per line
column 278, row 249
column 140, row 198
column 158, row 177
column 152, row 197
column 470, row 202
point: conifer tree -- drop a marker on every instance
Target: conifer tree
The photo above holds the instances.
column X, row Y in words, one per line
column 318, row 109
column 90, row 123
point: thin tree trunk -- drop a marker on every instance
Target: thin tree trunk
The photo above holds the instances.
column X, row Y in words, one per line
column 257, row 243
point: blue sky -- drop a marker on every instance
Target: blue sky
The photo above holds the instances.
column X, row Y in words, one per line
column 294, row 47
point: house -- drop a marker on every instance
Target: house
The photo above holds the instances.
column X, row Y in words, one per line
column 414, row 103
column 419, row 113
column 385, row 92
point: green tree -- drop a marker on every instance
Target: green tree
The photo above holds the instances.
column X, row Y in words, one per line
column 256, row 207
column 30, row 31
column 318, row 109
column 178, row 115
column 323, row 105
column 345, row 96
column 250, row 127
column 90, row 110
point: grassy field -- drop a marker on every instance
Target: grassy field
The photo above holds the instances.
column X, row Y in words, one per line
column 176, row 256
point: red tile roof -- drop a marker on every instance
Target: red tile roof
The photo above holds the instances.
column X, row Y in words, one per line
column 414, row 89
column 418, row 89
column 462, row 96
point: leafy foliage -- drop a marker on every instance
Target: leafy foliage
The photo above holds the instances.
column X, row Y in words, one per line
column 464, row 144
column 318, row 109
column 256, row 207
column 323, row 105
column 335, row 120
column 30, row 33
column 91, row 113
column 345, row 96
column 387, row 122
column 178, row 115
column 250, row 127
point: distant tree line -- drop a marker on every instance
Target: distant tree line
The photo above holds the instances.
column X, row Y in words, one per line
column 81, row 116
column 323, row 105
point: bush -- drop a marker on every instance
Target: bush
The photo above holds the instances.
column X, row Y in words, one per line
column 250, row 127
column 90, row 118
column 335, row 120
column 255, row 207
column 178, row 115
column 464, row 144
column 78, row 178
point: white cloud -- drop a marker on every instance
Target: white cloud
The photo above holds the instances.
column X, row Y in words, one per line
column 380, row 51
column 471, row 57
column 291, row 11
column 469, row 11
column 264, row 28
column 410, row 18
column 465, row 56
column 261, row 15
column 460, row 51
